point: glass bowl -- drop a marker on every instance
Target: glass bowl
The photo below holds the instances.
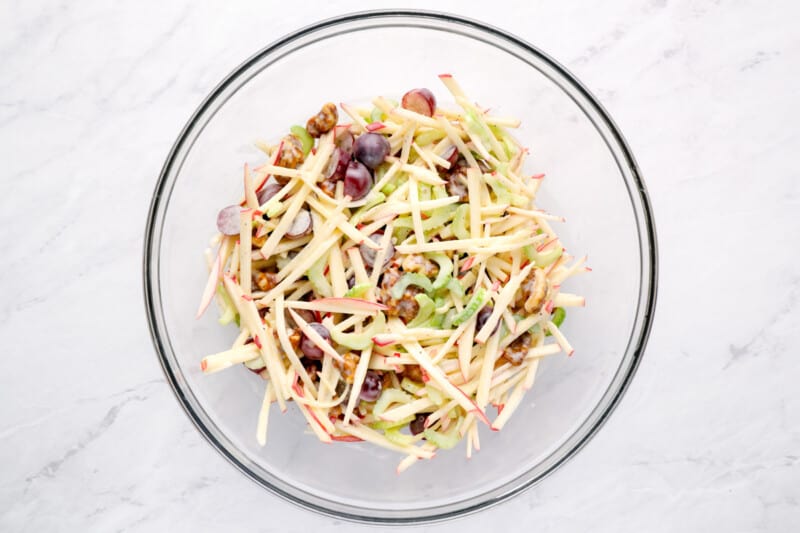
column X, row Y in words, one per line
column 592, row 179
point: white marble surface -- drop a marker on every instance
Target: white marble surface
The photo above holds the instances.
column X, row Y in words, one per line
column 92, row 94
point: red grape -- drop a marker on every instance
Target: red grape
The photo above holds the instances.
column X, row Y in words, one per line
column 451, row 155
column 483, row 316
column 307, row 346
column 420, row 101
column 337, row 165
column 371, row 149
column 371, row 388
column 269, row 190
column 417, row 425
column 368, row 254
column 343, row 138
column 357, row 180
column 301, row 225
column 228, row 220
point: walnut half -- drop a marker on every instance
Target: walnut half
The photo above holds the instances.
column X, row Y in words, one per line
column 324, row 121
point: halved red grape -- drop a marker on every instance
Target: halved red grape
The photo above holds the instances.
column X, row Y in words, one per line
column 228, row 220
column 305, row 314
column 483, row 316
column 343, row 138
column 371, row 149
column 301, row 225
column 307, row 346
column 368, row 254
column 451, row 155
column 357, row 180
column 268, row 191
column 420, row 101
column 371, row 388
column 417, row 425
column 337, row 165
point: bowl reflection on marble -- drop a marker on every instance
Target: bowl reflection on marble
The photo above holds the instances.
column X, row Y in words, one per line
column 592, row 179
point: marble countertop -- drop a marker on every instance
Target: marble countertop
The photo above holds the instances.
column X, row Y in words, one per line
column 92, row 96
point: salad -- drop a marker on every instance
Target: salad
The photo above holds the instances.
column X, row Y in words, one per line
column 392, row 275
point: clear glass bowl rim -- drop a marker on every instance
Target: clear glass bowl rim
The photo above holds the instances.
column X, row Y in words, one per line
column 645, row 229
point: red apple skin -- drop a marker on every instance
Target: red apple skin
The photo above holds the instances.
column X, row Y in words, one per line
column 420, row 101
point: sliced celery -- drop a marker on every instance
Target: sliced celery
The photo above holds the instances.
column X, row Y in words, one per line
column 305, row 138
column 411, row 278
column 477, row 301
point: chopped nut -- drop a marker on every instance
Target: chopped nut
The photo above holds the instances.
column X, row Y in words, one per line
column 456, row 178
column 421, row 264
column 386, row 380
column 324, row 121
column 515, row 352
column 405, row 307
column 258, row 242
column 265, row 280
column 328, row 187
column 348, row 368
column 457, row 186
column 413, row 372
column 291, row 155
column 533, row 292
column 294, row 338
column 336, row 411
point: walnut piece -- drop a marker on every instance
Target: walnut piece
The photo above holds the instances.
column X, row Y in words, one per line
column 324, row 121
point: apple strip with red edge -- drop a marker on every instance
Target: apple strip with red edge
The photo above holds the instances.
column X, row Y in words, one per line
column 358, row 382
column 535, row 214
column 315, row 337
column 465, row 344
column 295, row 204
column 214, row 274
column 263, row 415
column 380, row 255
column 563, row 299
column 222, row 360
column 513, row 401
column 416, row 213
column 407, row 115
column 252, row 321
column 358, row 120
column 313, row 422
column 249, row 189
column 286, row 345
column 341, row 222
column 461, row 99
column 299, row 268
column 455, row 138
column 559, row 276
column 496, row 393
column 559, row 337
column 501, row 302
column 530, row 376
column 436, row 374
column 503, row 122
column 538, row 352
column 411, row 459
column 245, row 250
column 422, row 174
column 485, row 376
column 326, row 382
column 432, row 418
column 370, row 435
column 350, row 306
column 406, row 410
column 439, row 352
column 474, row 245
